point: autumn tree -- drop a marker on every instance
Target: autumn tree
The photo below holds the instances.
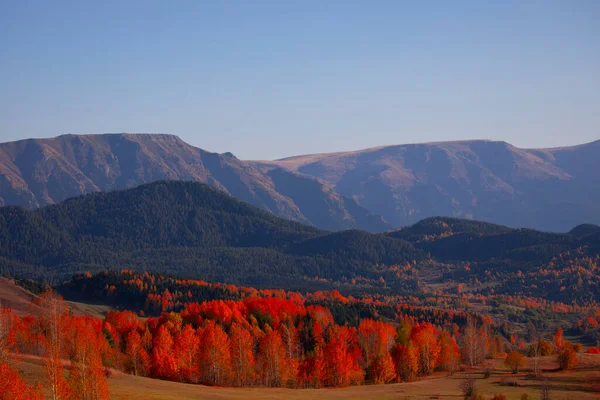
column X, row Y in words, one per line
column 515, row 361
column 7, row 339
column 403, row 332
column 274, row 366
column 163, row 361
column 558, row 338
column 449, row 355
column 376, row 339
column 536, row 350
column 340, row 364
column 13, row 387
column 542, row 348
column 382, row 369
column 406, row 360
column 52, row 318
column 566, row 356
column 311, row 371
column 214, row 356
column 474, row 343
column 425, row 341
column 87, row 377
column 137, row 356
column 187, row 345
column 243, row 363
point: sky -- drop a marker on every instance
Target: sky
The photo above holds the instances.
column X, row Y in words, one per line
column 270, row 79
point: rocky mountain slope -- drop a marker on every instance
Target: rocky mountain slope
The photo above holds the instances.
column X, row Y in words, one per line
column 38, row 172
column 374, row 189
column 548, row 189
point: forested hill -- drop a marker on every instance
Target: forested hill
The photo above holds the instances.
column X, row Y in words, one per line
column 181, row 227
column 192, row 230
column 452, row 239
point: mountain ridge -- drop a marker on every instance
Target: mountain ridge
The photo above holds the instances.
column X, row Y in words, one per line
column 549, row 189
column 375, row 189
column 38, row 172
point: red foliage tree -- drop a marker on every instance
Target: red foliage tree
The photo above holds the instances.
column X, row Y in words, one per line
column 163, row 362
column 341, row 367
column 406, row 361
column 137, row 356
column 13, row 387
column 425, row 341
column 275, row 368
column 187, row 344
column 87, row 376
column 214, row 357
column 243, row 363
column 449, row 355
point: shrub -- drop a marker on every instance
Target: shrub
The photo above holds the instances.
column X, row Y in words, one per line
column 508, row 382
column 467, row 387
column 593, row 350
column 475, row 396
column 487, row 372
column 499, row 397
column 526, row 396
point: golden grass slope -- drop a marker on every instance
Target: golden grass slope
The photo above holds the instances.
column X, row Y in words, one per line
column 581, row 384
column 20, row 301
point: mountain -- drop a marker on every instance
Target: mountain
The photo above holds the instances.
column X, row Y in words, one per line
column 547, row 189
column 186, row 228
column 375, row 189
column 39, row 172
column 585, row 229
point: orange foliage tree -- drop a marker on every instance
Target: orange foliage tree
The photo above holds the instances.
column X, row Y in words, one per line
column 215, row 357
column 276, row 368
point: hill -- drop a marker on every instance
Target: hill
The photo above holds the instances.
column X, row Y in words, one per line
column 547, row 189
column 22, row 302
column 585, row 229
column 39, row 172
column 185, row 228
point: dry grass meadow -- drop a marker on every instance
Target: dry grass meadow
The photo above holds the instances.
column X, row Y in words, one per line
column 581, row 384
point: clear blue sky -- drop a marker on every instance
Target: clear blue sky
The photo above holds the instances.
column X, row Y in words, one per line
column 268, row 79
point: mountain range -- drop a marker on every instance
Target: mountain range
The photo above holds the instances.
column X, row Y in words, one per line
column 375, row 189
column 547, row 189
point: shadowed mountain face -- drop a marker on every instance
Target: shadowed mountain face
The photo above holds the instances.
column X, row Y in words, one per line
column 38, row 172
column 548, row 189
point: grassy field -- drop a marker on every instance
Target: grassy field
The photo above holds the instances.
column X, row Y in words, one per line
column 581, row 384
column 20, row 301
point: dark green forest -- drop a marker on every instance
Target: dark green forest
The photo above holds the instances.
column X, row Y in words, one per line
column 192, row 230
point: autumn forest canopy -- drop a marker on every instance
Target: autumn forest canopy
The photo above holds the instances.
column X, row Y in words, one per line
column 224, row 335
